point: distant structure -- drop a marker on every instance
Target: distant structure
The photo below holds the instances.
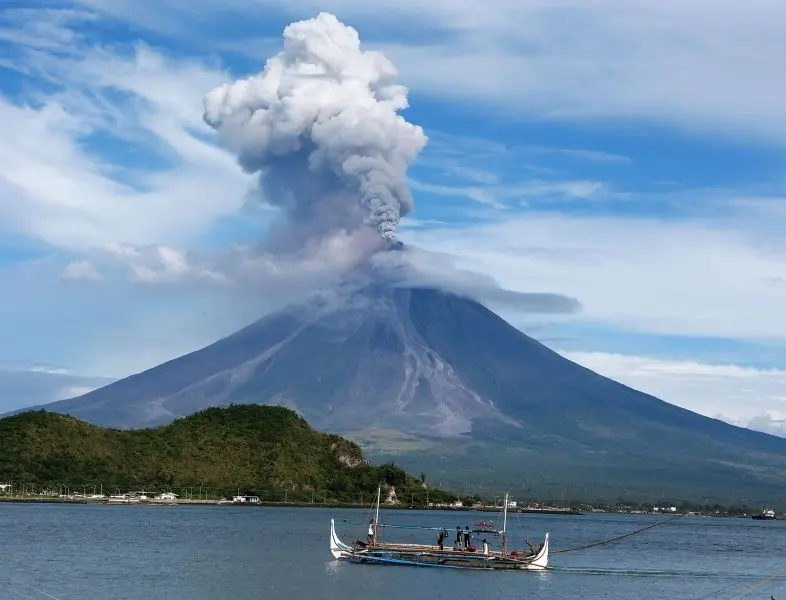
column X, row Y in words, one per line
column 245, row 499
column 166, row 497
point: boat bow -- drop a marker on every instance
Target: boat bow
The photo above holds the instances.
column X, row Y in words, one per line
column 338, row 548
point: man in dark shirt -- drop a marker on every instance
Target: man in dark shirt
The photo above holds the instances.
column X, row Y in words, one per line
column 441, row 539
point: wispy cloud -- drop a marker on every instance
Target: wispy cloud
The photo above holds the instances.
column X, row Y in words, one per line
column 504, row 196
column 56, row 187
column 20, row 388
column 576, row 62
column 744, row 396
column 606, row 62
column 475, row 175
column 588, row 155
column 46, row 29
column 642, row 273
column 448, row 146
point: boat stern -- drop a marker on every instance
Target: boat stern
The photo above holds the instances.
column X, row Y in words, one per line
column 540, row 561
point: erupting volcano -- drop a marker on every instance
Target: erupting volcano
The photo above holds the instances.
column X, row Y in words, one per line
column 413, row 366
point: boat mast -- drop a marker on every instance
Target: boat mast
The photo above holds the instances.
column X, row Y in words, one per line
column 505, row 525
column 376, row 516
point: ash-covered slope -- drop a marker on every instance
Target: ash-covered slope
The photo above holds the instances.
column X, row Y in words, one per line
column 346, row 363
column 432, row 366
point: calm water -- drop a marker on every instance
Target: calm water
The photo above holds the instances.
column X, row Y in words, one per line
column 210, row 553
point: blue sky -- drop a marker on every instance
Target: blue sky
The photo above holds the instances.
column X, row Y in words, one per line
column 631, row 158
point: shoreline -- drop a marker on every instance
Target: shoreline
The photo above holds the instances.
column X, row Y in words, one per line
column 262, row 504
column 549, row 510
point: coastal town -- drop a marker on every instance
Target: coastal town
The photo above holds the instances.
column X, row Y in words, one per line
column 202, row 496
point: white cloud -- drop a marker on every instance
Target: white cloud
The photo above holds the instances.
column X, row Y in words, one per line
column 686, row 277
column 43, row 29
column 81, row 269
column 746, row 396
column 56, row 188
column 765, row 422
column 74, row 390
column 162, row 264
column 49, row 370
column 696, row 65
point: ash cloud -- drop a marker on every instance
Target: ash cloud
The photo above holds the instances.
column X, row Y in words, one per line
column 409, row 266
column 320, row 125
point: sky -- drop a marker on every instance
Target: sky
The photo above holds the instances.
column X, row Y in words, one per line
column 626, row 156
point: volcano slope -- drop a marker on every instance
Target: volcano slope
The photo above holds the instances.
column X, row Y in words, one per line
column 443, row 385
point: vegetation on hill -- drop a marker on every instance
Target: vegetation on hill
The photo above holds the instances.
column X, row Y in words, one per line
column 267, row 450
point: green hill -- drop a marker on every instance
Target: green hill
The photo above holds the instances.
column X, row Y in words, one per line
column 257, row 449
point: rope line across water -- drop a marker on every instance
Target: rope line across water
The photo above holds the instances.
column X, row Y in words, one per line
column 748, row 586
column 616, row 538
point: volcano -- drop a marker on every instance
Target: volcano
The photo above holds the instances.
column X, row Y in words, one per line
column 440, row 383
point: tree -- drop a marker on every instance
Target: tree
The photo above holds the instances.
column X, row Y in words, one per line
column 392, row 475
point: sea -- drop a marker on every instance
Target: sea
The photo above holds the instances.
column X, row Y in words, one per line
column 100, row 552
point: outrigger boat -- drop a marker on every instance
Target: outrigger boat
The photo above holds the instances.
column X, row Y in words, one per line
column 422, row 555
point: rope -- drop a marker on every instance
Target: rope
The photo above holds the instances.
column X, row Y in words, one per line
column 757, row 583
column 617, row 538
column 728, row 588
column 750, row 588
column 30, row 587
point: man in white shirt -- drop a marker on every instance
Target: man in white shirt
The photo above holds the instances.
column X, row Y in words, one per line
column 485, row 547
column 372, row 533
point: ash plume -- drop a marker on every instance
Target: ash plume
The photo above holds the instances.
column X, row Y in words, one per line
column 320, row 125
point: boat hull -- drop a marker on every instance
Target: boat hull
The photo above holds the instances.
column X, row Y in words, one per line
column 431, row 556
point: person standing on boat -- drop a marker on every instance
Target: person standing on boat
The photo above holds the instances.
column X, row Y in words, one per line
column 372, row 533
column 459, row 537
column 485, row 547
column 441, row 539
column 531, row 547
column 467, row 537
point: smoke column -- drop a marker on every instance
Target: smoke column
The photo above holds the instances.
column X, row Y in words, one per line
column 320, row 125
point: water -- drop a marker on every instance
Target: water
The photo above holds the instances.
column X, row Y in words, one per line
column 76, row 552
